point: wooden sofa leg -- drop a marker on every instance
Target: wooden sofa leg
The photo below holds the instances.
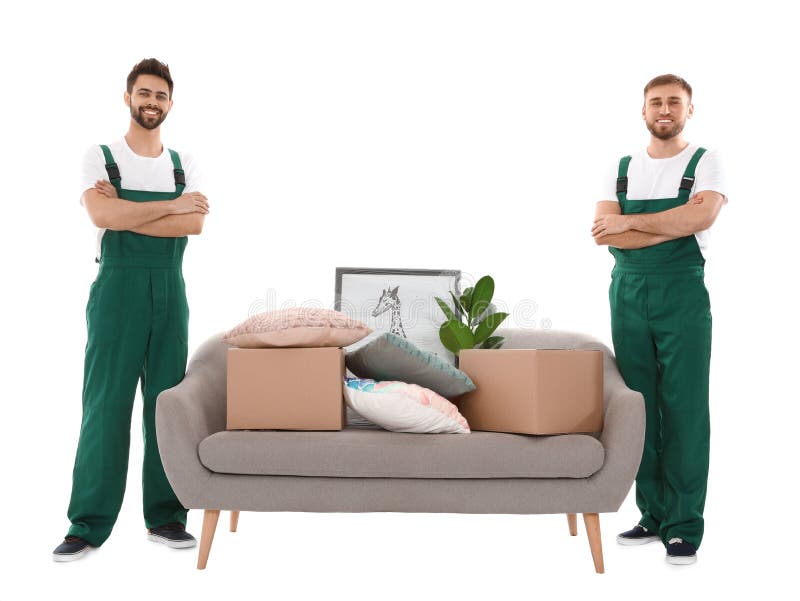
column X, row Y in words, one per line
column 592, row 522
column 572, row 520
column 210, row 519
column 234, row 520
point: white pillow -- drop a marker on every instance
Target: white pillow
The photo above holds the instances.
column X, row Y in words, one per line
column 402, row 407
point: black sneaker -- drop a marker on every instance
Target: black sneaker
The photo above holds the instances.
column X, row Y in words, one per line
column 71, row 549
column 681, row 553
column 173, row 535
column 637, row 536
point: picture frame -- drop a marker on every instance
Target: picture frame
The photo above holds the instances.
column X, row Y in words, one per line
column 401, row 301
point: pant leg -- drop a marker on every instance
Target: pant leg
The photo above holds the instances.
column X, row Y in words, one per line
column 164, row 367
column 117, row 323
column 683, row 339
column 635, row 353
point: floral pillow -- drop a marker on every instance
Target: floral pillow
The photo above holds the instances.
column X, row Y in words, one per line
column 402, row 407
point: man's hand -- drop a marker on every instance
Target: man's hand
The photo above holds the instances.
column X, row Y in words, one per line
column 193, row 202
column 609, row 224
column 629, row 239
column 106, row 188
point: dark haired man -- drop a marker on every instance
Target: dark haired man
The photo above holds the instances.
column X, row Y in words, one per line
column 144, row 198
column 667, row 198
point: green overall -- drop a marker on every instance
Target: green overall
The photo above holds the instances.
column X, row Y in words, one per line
column 661, row 328
column 137, row 322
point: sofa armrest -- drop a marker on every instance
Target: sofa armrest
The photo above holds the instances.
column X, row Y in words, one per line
column 188, row 413
column 622, row 436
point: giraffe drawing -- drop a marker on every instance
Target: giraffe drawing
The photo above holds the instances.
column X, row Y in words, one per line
column 390, row 300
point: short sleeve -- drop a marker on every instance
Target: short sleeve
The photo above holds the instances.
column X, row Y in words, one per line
column 710, row 175
column 191, row 169
column 608, row 189
column 94, row 168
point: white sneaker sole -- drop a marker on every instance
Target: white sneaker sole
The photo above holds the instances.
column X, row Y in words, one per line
column 681, row 560
column 64, row 557
column 172, row 544
column 635, row 542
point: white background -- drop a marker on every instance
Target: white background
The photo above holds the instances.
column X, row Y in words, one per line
column 455, row 135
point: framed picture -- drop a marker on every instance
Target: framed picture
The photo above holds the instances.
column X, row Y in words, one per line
column 401, row 301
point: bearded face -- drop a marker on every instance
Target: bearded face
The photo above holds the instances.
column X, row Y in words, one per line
column 666, row 110
column 149, row 101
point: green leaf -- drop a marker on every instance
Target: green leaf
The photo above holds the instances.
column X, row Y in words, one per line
column 481, row 297
column 466, row 299
column 456, row 336
column 448, row 312
column 459, row 309
column 488, row 325
column 448, row 338
column 493, row 342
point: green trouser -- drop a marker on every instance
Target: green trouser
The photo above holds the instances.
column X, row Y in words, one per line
column 137, row 322
column 661, row 328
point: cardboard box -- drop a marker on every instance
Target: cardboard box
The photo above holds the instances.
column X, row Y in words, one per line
column 533, row 391
column 285, row 389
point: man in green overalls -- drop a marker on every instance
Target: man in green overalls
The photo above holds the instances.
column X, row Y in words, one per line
column 667, row 198
column 144, row 199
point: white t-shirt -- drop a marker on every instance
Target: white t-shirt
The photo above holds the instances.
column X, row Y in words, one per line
column 154, row 174
column 650, row 178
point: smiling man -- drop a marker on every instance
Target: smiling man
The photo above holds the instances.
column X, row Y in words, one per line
column 145, row 201
column 667, row 198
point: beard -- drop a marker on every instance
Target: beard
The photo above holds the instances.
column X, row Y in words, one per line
column 147, row 121
column 666, row 134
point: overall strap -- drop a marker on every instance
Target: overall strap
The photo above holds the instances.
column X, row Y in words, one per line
column 111, row 167
column 622, row 178
column 180, row 177
column 688, row 176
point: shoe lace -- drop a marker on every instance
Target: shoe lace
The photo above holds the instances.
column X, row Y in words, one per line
column 673, row 541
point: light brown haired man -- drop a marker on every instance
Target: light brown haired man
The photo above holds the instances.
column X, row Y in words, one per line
column 667, row 198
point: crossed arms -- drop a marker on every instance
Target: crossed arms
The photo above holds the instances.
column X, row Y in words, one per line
column 638, row 231
column 160, row 218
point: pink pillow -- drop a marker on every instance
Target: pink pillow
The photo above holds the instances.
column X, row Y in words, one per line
column 305, row 327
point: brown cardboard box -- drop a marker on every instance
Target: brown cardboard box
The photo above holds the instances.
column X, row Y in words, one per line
column 285, row 388
column 533, row 391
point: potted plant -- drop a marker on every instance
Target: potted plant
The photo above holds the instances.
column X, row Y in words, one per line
column 474, row 319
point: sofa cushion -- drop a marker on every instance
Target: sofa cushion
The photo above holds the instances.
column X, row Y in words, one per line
column 388, row 356
column 368, row 453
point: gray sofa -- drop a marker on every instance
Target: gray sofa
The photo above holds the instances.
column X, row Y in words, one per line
column 364, row 470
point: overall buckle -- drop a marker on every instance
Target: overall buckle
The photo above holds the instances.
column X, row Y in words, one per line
column 113, row 171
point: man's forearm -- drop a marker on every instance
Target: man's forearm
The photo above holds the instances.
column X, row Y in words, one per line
column 172, row 226
column 681, row 221
column 127, row 215
column 633, row 239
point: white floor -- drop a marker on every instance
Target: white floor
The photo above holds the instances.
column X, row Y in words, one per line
column 390, row 556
